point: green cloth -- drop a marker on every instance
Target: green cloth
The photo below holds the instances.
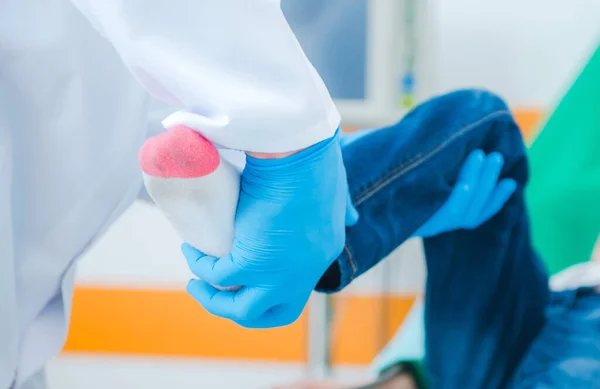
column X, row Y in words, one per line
column 563, row 195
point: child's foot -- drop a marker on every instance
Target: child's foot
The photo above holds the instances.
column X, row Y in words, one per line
column 193, row 187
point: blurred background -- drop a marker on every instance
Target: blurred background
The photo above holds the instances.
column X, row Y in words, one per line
column 132, row 319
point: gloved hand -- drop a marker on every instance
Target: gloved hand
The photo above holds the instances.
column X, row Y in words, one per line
column 289, row 228
column 476, row 197
column 352, row 215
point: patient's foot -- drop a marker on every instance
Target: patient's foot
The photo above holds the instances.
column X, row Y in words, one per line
column 193, row 187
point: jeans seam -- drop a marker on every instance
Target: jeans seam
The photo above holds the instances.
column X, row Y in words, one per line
column 397, row 172
column 352, row 263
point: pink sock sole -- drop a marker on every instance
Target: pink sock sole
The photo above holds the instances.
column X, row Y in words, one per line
column 178, row 153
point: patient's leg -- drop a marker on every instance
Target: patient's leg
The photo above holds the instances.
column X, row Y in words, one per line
column 486, row 289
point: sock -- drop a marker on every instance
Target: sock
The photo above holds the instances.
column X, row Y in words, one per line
column 194, row 187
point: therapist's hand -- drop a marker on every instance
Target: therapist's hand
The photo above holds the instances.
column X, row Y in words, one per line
column 477, row 196
column 289, row 228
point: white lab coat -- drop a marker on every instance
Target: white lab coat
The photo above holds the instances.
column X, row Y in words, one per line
column 72, row 119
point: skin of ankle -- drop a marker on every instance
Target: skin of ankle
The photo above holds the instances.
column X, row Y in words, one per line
column 272, row 155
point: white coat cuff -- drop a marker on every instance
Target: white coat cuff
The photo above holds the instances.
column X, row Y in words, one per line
column 272, row 138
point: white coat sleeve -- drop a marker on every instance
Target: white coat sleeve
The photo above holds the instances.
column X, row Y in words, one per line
column 234, row 67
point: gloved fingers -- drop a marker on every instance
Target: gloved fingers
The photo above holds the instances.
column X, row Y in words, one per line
column 450, row 211
column 269, row 319
column 464, row 190
column 351, row 212
column 246, row 304
column 278, row 316
column 216, row 271
column 471, row 168
column 504, row 190
column 487, row 181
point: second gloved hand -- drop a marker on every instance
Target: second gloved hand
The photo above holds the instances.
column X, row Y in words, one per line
column 289, row 228
column 477, row 196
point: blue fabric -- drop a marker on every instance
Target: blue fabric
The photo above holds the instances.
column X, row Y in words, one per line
column 566, row 354
column 486, row 290
column 289, row 228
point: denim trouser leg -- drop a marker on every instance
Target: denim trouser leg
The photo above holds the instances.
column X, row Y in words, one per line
column 566, row 354
column 486, row 289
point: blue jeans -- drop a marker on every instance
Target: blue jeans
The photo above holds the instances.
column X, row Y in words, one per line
column 566, row 353
column 487, row 290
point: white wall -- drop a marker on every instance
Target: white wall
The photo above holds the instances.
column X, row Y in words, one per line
column 526, row 50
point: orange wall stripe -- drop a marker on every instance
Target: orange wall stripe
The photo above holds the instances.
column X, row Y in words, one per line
column 529, row 120
column 362, row 326
column 169, row 323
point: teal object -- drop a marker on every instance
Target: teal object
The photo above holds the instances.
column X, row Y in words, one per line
column 563, row 195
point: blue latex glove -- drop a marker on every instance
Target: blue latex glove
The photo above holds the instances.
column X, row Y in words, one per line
column 476, row 197
column 289, row 228
column 351, row 212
